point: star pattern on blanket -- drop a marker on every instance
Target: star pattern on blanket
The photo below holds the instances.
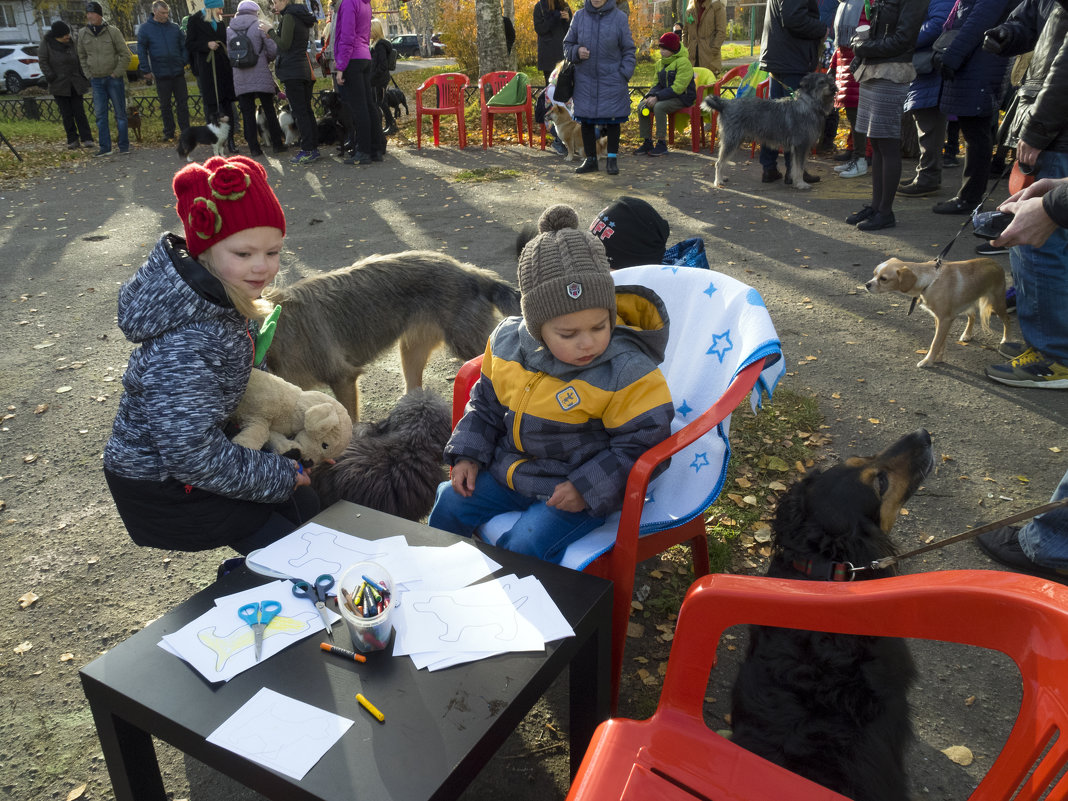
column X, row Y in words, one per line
column 699, row 460
column 684, row 409
column 711, row 289
column 674, row 268
column 752, row 297
column 721, row 343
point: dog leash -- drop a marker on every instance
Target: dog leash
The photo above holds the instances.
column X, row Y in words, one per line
column 941, row 257
column 848, row 571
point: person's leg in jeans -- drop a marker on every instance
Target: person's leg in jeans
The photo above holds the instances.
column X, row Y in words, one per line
column 979, row 146
column 100, row 110
column 165, row 88
column 779, row 85
column 1045, row 538
column 117, row 95
column 460, row 515
column 545, row 532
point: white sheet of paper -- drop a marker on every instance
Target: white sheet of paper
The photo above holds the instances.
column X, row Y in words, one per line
column 313, row 549
column 219, row 644
column 451, row 567
column 280, row 733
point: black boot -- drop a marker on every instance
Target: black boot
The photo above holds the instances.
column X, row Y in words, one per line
column 231, row 146
column 611, row 166
column 589, row 165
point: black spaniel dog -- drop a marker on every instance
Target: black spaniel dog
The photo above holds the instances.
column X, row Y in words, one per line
column 834, row 707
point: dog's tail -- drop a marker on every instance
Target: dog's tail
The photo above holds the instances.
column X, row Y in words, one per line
column 986, row 309
column 714, row 103
column 502, row 295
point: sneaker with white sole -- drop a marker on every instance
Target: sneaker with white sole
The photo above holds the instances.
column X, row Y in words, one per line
column 855, row 169
column 987, row 249
column 1030, row 369
column 846, row 166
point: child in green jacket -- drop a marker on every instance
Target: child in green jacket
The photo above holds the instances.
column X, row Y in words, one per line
column 675, row 89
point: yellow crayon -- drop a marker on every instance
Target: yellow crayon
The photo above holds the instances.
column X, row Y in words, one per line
column 370, row 708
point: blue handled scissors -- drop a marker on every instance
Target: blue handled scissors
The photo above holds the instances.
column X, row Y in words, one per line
column 259, row 617
column 317, row 595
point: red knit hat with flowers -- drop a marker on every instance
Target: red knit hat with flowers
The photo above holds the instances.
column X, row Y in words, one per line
column 222, row 197
column 671, row 41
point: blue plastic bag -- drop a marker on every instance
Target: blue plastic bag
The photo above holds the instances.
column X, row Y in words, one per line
column 687, row 253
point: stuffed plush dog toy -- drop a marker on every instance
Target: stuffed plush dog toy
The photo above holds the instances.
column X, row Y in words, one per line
column 308, row 426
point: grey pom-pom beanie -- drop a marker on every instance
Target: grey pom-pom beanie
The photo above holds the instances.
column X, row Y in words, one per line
column 563, row 270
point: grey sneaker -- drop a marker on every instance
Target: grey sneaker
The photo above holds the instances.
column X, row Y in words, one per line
column 102, row 153
column 855, row 169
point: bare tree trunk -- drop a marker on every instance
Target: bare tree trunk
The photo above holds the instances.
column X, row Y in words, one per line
column 492, row 53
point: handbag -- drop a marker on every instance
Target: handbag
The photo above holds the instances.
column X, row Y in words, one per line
column 565, row 83
column 923, row 61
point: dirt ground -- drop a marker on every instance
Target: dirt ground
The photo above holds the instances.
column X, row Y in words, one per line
column 69, row 238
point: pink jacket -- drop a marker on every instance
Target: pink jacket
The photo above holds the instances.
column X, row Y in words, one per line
column 352, row 32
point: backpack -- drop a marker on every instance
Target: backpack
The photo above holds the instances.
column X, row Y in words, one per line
column 391, row 56
column 241, row 52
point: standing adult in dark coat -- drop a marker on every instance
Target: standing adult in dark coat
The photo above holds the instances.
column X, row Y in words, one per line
column 256, row 84
column 66, row 81
column 551, row 21
column 789, row 50
column 971, row 91
column 162, row 58
column 205, row 39
column 293, row 69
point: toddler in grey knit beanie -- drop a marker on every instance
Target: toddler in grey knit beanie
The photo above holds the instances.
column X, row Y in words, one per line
column 563, row 270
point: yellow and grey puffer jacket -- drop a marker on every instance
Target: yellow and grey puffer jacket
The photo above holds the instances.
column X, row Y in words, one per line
column 534, row 421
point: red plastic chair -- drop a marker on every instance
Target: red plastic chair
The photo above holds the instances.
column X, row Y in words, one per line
column 450, row 88
column 496, row 81
column 619, row 562
column 674, row 755
column 733, row 74
column 704, row 78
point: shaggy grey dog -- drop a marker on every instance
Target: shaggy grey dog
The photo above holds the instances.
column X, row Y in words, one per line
column 792, row 123
column 393, row 466
column 335, row 324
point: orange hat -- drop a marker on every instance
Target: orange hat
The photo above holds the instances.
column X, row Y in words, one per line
column 222, row 197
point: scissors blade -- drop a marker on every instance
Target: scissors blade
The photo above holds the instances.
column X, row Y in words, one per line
column 321, row 606
column 258, row 630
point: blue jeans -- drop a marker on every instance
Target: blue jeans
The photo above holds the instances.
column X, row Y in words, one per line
column 1045, row 538
column 540, row 531
column 113, row 90
column 1041, row 279
column 769, row 156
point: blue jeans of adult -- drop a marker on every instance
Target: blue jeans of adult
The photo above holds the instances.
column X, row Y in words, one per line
column 357, row 94
column 173, row 88
column 1041, row 279
column 769, row 156
column 1045, row 538
column 110, row 90
column 541, row 530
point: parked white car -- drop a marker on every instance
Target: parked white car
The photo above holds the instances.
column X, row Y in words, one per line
column 20, row 68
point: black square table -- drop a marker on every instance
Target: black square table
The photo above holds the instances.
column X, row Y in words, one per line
column 441, row 728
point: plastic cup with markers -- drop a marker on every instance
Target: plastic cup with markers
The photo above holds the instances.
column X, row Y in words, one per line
column 365, row 600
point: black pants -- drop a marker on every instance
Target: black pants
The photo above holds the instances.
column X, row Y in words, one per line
column 357, row 95
column 978, row 147
column 173, row 89
column 75, row 123
column 247, row 102
column 383, row 106
column 299, row 94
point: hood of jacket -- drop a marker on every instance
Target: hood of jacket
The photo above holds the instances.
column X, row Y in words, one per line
column 243, row 20
column 641, row 319
column 668, row 63
column 301, row 12
column 170, row 290
column 608, row 7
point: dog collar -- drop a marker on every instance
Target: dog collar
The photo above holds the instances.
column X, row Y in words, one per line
column 825, row 569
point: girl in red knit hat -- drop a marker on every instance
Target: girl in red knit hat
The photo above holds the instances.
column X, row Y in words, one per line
column 194, row 310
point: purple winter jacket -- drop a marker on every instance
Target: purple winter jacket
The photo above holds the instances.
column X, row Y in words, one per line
column 352, row 32
column 601, row 91
column 259, row 77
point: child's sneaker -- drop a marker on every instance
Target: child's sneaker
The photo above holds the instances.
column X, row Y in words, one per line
column 660, row 149
column 855, row 169
column 644, row 147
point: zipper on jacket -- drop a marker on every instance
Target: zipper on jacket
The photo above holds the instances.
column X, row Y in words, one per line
column 521, row 410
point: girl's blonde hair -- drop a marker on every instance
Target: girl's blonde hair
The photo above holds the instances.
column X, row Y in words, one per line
column 376, row 29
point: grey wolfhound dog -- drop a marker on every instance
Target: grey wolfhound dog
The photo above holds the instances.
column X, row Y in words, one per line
column 394, row 465
column 333, row 325
column 792, row 123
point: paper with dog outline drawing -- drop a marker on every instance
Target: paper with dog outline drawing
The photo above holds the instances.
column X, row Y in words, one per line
column 280, row 733
column 312, row 550
column 220, row 645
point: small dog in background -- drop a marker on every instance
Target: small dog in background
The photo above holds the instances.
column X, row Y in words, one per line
column 972, row 287
column 261, row 126
column 570, row 133
column 288, row 125
column 133, row 121
column 330, row 126
column 394, row 465
column 215, row 133
column 793, row 123
column 395, row 99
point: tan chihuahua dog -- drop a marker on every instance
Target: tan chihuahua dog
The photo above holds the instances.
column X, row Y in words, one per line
column 958, row 287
